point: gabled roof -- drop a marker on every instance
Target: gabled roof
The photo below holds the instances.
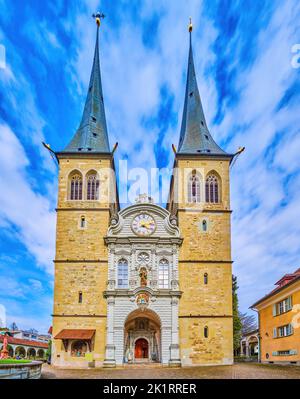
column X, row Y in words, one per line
column 195, row 137
column 92, row 135
column 285, row 281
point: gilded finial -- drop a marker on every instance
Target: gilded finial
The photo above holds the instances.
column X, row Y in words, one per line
column 98, row 18
column 190, row 25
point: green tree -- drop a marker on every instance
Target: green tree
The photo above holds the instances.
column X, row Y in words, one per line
column 237, row 324
column 48, row 351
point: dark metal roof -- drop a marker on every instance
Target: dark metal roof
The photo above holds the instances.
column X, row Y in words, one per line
column 195, row 137
column 92, row 135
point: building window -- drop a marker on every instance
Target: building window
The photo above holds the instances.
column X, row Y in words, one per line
column 212, row 189
column 205, row 332
column 163, row 274
column 194, row 188
column 285, row 352
column 205, row 278
column 76, row 187
column 79, row 348
column 283, row 306
column 80, row 297
column 285, row 331
column 123, row 273
column 92, row 187
column 82, row 222
column 204, row 225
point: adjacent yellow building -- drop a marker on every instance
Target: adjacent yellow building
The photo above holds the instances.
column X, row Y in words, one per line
column 279, row 321
column 145, row 283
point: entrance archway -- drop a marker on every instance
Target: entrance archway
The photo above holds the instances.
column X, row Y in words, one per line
column 142, row 337
column 141, row 349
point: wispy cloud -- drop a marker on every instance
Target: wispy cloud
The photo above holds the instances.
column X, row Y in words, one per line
column 250, row 96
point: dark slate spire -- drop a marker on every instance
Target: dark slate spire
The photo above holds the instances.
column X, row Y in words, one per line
column 194, row 135
column 92, row 135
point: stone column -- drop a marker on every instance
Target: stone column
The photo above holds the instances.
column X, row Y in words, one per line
column 174, row 347
column 110, row 360
column 247, row 348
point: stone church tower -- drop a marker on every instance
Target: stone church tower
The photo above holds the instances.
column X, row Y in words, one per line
column 145, row 283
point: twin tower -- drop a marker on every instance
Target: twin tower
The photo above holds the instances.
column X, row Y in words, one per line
column 143, row 284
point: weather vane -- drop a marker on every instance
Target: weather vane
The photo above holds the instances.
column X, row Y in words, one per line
column 190, row 25
column 98, row 16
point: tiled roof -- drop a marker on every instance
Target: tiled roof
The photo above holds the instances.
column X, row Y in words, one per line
column 75, row 334
column 25, row 342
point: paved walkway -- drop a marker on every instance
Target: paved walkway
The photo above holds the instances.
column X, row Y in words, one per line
column 237, row 371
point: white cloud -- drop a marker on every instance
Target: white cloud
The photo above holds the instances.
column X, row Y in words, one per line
column 20, row 205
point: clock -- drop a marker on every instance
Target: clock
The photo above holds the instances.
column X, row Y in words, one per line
column 143, row 225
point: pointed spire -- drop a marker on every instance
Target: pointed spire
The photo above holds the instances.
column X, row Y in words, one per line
column 92, row 135
column 195, row 137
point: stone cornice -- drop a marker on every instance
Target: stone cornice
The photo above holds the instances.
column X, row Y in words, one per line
column 79, row 315
column 205, row 261
column 204, row 210
column 132, row 293
column 80, row 261
column 199, row 316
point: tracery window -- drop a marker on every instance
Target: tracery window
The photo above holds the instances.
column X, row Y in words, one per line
column 163, row 274
column 212, row 194
column 122, row 273
column 92, row 187
column 194, row 187
column 76, row 187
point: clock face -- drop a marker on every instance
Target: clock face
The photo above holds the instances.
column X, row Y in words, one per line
column 143, row 225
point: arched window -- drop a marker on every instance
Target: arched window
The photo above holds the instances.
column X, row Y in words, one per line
column 76, row 186
column 79, row 348
column 80, row 297
column 122, row 273
column 194, row 187
column 82, row 222
column 205, row 332
column 212, row 189
column 92, row 186
column 204, row 225
column 205, row 278
column 163, row 274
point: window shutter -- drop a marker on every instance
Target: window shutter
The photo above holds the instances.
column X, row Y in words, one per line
column 274, row 310
column 274, row 332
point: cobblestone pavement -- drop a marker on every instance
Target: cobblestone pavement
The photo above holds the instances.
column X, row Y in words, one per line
column 237, row 371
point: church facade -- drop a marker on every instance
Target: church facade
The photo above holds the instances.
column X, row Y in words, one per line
column 143, row 283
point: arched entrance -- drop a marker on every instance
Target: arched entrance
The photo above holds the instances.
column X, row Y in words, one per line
column 142, row 337
column 141, row 349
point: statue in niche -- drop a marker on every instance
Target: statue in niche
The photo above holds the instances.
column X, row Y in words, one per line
column 143, row 277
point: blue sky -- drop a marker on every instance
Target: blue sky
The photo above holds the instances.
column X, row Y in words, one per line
column 250, row 93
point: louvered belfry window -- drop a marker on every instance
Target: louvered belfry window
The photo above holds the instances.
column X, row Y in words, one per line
column 76, row 187
column 212, row 189
column 194, row 188
column 92, row 187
